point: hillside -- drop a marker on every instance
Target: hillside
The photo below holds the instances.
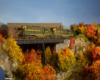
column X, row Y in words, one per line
column 3, row 26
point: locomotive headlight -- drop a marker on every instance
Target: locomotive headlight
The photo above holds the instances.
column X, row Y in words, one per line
column 54, row 29
column 24, row 27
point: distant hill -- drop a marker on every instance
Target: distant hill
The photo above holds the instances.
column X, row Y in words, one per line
column 3, row 26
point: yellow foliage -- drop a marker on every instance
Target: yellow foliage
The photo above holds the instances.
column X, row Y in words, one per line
column 13, row 49
column 48, row 54
column 75, row 27
column 82, row 60
column 92, row 45
column 98, row 33
column 31, row 70
column 96, row 25
column 83, row 30
column 65, row 62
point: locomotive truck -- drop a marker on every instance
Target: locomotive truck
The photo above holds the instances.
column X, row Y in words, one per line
column 32, row 32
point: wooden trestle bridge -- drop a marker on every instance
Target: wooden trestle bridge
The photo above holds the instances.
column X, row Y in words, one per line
column 39, row 41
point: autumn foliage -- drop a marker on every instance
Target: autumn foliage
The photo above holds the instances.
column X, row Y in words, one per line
column 66, row 59
column 48, row 54
column 1, row 39
column 71, row 42
column 93, row 53
column 29, row 63
column 3, row 34
column 32, row 56
column 48, row 73
column 33, row 69
column 54, row 50
column 91, row 31
column 96, row 70
column 13, row 50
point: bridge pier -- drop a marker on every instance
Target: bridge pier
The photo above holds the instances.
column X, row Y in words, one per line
column 44, row 57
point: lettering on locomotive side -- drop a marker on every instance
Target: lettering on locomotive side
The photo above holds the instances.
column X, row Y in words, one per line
column 36, row 34
column 65, row 35
column 33, row 30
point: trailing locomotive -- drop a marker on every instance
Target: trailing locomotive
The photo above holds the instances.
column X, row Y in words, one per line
column 32, row 32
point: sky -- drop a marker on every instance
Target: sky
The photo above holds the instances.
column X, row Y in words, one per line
column 66, row 12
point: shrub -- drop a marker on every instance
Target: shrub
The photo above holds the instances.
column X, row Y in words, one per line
column 66, row 59
column 83, row 37
column 82, row 60
column 48, row 54
column 32, row 67
column 13, row 50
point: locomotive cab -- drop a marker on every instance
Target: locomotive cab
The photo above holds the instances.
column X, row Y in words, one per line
column 19, row 32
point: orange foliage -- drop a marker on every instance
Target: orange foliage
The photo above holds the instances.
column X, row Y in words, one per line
column 93, row 53
column 47, row 73
column 96, row 69
column 31, row 65
column 65, row 51
column 89, row 51
column 54, row 50
column 71, row 43
column 4, row 33
column 87, row 70
column 1, row 39
column 91, row 31
column 33, row 68
column 32, row 56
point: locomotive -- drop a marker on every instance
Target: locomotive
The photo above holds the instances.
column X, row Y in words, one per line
column 34, row 32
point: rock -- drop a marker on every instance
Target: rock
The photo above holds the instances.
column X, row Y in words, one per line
column 62, row 75
column 6, row 64
column 62, row 45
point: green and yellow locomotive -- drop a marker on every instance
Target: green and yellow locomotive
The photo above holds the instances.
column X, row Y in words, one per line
column 32, row 32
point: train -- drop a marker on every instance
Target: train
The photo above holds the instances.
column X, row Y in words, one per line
column 37, row 32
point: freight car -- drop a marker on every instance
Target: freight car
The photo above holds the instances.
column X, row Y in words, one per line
column 32, row 32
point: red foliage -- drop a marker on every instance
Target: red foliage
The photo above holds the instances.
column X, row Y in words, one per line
column 48, row 72
column 54, row 50
column 71, row 42
column 32, row 56
column 87, row 70
column 1, row 39
column 4, row 33
column 94, row 53
column 91, row 31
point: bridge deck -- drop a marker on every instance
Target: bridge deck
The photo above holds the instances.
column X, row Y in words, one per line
column 37, row 41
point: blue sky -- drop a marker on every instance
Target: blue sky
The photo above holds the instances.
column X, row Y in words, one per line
column 66, row 12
